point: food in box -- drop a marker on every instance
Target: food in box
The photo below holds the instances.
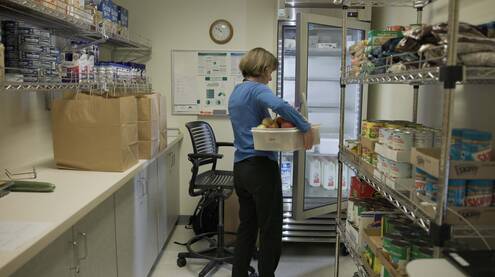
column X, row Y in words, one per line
column 282, row 139
column 361, row 189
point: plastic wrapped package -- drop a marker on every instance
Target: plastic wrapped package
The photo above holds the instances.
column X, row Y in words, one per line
column 478, row 59
column 379, row 37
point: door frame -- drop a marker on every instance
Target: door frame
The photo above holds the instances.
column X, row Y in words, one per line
column 298, row 188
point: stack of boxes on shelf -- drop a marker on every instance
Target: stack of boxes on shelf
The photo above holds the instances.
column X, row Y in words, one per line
column 110, row 17
column 472, row 171
column 383, row 237
column 385, row 149
column 31, row 54
column 73, row 8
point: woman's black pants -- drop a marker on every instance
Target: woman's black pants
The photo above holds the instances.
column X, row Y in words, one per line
column 259, row 188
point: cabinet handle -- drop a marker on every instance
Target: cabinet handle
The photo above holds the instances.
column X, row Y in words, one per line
column 76, row 269
column 75, row 248
column 85, row 238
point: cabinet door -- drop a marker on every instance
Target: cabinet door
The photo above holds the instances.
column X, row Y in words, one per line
column 153, row 205
column 145, row 231
column 125, row 232
column 173, row 188
column 95, row 234
column 161, row 198
column 56, row 259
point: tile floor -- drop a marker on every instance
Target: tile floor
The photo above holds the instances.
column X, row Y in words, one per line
column 298, row 260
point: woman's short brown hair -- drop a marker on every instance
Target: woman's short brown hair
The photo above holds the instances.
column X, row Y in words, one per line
column 256, row 62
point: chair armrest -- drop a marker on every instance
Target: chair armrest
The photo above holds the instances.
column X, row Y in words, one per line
column 220, row 144
column 205, row 156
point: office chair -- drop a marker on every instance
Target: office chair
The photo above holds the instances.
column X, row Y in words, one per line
column 216, row 183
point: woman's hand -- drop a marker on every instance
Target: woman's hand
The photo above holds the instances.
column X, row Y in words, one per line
column 308, row 139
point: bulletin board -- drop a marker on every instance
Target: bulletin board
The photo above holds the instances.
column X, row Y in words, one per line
column 202, row 81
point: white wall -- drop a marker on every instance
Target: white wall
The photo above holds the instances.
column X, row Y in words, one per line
column 184, row 24
column 25, row 130
column 473, row 104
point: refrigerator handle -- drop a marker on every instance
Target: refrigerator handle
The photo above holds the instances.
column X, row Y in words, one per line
column 303, row 104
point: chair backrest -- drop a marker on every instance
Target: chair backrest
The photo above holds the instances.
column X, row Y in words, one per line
column 203, row 140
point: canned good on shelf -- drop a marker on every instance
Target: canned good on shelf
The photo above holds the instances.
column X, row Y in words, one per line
column 399, row 170
column 384, row 136
column 401, row 140
column 374, row 129
column 423, row 138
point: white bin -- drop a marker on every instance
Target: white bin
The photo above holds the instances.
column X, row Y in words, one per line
column 282, row 139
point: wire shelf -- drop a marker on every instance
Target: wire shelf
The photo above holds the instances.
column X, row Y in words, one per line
column 386, row 3
column 431, row 75
column 356, row 257
column 96, row 87
column 66, row 20
column 400, row 201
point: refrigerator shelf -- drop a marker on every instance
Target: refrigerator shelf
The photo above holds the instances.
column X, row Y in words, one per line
column 431, row 75
column 403, row 203
column 386, row 3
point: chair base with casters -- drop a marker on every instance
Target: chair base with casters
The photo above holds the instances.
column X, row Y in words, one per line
column 217, row 183
column 218, row 253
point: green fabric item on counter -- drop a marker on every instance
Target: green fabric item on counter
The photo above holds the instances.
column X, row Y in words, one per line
column 31, row 186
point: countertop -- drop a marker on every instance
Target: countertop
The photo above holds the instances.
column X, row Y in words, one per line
column 76, row 194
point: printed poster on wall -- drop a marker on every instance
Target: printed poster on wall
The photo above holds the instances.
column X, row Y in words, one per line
column 207, row 93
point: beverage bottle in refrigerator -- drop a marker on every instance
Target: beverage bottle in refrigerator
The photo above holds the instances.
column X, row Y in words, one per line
column 286, row 173
column 315, row 172
column 329, row 174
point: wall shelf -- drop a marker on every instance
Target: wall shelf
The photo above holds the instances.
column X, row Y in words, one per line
column 66, row 21
column 133, row 88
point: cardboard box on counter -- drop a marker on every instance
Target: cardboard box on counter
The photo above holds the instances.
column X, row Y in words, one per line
column 394, row 155
column 428, row 159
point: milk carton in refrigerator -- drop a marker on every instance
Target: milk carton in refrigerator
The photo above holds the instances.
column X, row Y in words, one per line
column 286, row 173
column 314, row 172
column 329, row 173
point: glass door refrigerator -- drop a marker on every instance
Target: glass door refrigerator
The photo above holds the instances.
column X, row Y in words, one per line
column 309, row 53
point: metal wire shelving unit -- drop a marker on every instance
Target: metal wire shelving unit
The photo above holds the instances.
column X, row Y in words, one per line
column 124, row 88
column 68, row 21
column 432, row 216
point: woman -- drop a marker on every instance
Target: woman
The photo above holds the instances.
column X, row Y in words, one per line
column 256, row 173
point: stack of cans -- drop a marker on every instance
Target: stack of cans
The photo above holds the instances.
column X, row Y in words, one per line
column 30, row 52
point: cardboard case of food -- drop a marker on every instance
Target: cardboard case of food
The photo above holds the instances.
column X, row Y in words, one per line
column 95, row 133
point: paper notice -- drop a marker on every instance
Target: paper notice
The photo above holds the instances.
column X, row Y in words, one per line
column 185, row 90
column 14, row 234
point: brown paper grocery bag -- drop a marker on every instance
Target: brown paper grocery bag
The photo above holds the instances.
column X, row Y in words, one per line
column 95, row 133
column 148, row 115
